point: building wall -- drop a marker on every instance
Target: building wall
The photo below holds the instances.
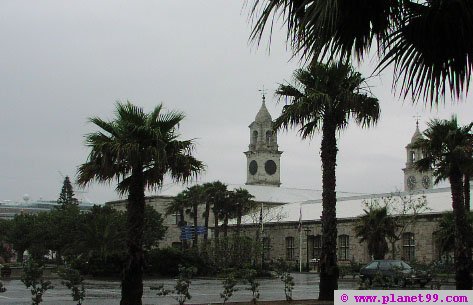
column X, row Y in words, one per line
column 159, row 203
column 424, row 245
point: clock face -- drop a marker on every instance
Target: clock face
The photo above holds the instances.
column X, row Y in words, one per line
column 411, row 182
column 426, row 182
column 253, row 167
column 270, row 167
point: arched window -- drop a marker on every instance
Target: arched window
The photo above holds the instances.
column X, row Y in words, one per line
column 343, row 247
column 289, row 248
column 408, row 246
column 413, row 156
column 269, row 137
column 254, row 138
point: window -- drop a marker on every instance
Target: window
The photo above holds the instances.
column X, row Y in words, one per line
column 290, row 248
column 408, row 246
column 266, row 248
column 343, row 247
column 269, row 137
column 413, row 156
column 255, row 137
column 176, row 217
column 384, row 265
column 317, row 246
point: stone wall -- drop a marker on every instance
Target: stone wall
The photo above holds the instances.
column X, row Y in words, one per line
column 424, row 245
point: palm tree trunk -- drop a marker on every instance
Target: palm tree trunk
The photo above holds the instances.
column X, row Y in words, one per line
column 194, row 207
column 216, row 229
column 207, row 213
column 462, row 249
column 466, row 192
column 181, row 224
column 328, row 261
column 132, row 281
column 181, row 217
column 216, row 233
column 238, row 226
column 206, row 234
column 225, row 226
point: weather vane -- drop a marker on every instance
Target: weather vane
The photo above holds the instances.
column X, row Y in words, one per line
column 417, row 117
column 263, row 92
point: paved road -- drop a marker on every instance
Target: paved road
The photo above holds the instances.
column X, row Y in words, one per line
column 202, row 291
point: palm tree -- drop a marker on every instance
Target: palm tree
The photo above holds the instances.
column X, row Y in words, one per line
column 216, row 194
column 137, row 149
column 445, row 236
column 207, row 187
column 447, row 149
column 193, row 198
column 324, row 99
column 177, row 206
column 227, row 209
column 242, row 201
column 374, row 227
column 102, row 233
column 427, row 41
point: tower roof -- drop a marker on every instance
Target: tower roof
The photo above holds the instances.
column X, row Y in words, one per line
column 417, row 134
column 263, row 114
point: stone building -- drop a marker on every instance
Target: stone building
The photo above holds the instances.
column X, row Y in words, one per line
column 285, row 208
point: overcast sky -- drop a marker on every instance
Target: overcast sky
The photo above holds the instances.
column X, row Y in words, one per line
column 64, row 61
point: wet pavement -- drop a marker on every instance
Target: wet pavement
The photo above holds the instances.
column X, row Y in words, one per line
column 202, row 291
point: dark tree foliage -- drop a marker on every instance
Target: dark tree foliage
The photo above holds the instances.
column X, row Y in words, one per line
column 19, row 234
column 428, row 42
column 448, row 150
column 64, row 229
column 67, row 194
column 374, row 227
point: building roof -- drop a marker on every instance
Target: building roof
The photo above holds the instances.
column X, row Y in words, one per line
column 263, row 114
column 417, row 134
column 262, row 193
column 438, row 201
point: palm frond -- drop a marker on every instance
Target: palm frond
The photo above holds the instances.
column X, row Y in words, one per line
column 138, row 141
column 431, row 49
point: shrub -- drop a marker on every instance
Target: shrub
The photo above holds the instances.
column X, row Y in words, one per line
column 111, row 265
column 181, row 289
column 228, row 283
column 73, row 281
column 33, row 279
column 166, row 262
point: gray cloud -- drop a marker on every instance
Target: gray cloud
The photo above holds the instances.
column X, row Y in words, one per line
column 63, row 61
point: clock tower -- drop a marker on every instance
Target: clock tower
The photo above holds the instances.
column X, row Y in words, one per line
column 414, row 179
column 263, row 156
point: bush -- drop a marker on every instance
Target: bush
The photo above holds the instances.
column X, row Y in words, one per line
column 5, row 272
column 166, row 262
column 111, row 265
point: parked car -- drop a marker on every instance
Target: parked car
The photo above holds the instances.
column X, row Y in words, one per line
column 397, row 271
